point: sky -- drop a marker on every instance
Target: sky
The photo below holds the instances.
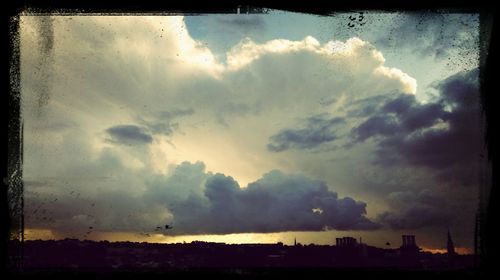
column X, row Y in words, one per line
column 252, row 127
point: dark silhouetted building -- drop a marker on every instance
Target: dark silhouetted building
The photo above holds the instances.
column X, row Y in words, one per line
column 449, row 245
column 348, row 251
column 409, row 252
column 409, row 241
column 346, row 242
column 450, row 251
column 52, row 255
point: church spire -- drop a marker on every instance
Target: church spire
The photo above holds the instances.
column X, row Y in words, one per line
column 450, row 247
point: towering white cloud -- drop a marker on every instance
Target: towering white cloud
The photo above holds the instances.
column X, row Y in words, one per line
column 128, row 99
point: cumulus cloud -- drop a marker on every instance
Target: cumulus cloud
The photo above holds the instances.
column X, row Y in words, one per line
column 276, row 202
column 317, row 130
column 128, row 135
column 198, row 202
column 134, row 76
column 151, row 75
column 221, row 32
column 183, row 181
column 346, row 60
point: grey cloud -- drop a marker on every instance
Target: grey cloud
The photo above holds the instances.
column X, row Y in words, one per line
column 34, row 183
column 366, row 106
column 412, row 210
column 403, row 114
column 174, row 113
column 318, row 130
column 196, row 202
column 377, row 125
column 412, row 114
column 185, row 180
column 432, row 34
column 165, row 128
column 232, row 109
column 71, row 213
column 245, row 23
column 406, row 131
column 221, row 32
column 164, row 122
column 102, row 193
column 129, row 135
column 57, row 126
column 276, row 202
column 45, row 28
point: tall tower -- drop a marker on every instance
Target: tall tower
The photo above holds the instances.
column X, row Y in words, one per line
column 295, row 241
column 449, row 245
column 409, row 249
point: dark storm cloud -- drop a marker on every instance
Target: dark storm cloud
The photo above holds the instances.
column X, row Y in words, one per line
column 404, row 129
column 432, row 34
column 377, row 125
column 318, row 130
column 403, row 114
column 412, row 210
column 199, row 203
column 129, row 135
column 204, row 203
column 101, row 194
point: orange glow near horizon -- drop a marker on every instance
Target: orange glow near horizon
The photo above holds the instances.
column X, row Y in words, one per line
column 44, row 234
column 237, row 238
column 458, row 250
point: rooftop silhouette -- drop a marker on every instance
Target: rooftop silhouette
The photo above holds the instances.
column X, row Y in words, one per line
column 111, row 256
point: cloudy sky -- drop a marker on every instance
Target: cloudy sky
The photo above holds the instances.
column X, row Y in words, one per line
column 252, row 128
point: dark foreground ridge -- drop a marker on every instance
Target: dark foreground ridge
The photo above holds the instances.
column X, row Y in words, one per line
column 70, row 255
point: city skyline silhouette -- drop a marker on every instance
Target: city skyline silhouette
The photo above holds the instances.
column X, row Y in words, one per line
column 257, row 139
